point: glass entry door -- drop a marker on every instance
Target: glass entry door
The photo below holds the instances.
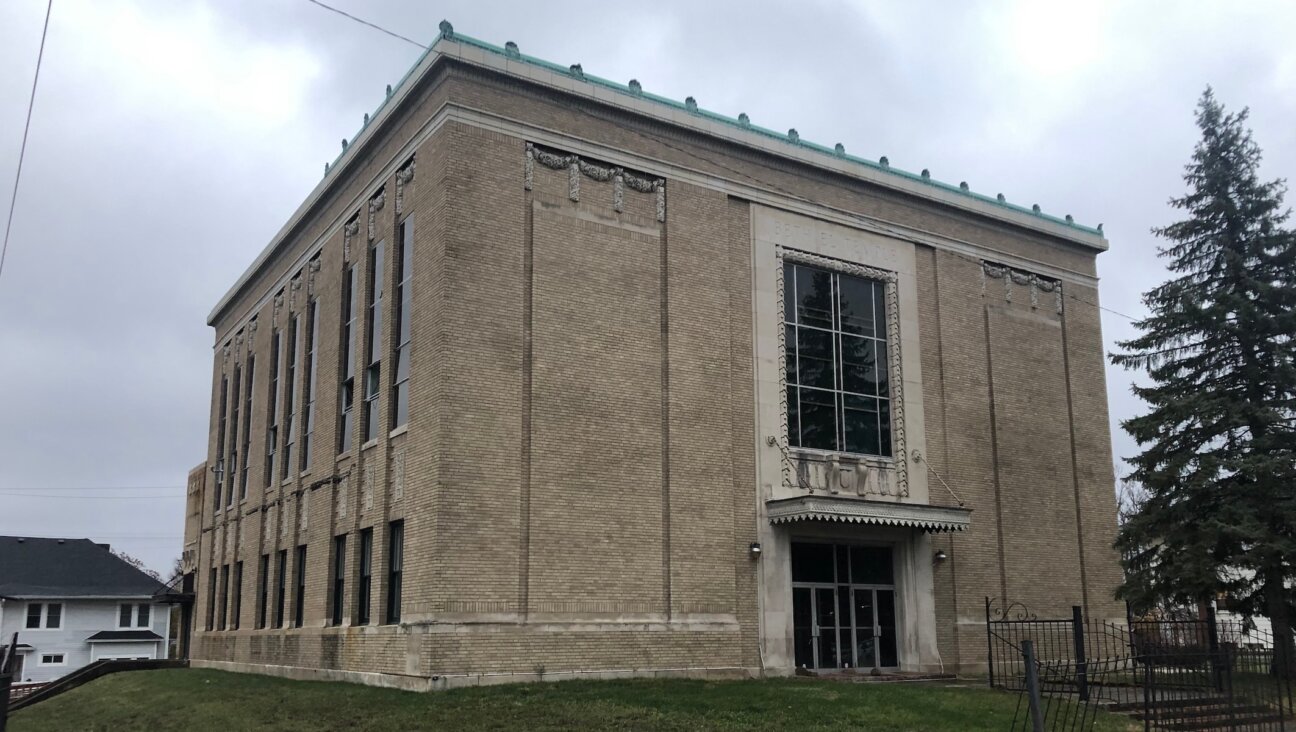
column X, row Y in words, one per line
column 843, row 607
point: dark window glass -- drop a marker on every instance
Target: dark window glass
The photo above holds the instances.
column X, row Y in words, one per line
column 396, row 561
column 211, row 598
column 836, row 352
column 54, row 615
column 290, row 389
column 220, row 437
column 308, row 399
column 814, row 297
column 404, row 294
column 125, row 614
column 224, row 597
column 373, row 371
column 232, row 467
column 802, row 628
column 364, row 586
column 248, row 379
column 871, row 565
column 33, row 614
column 339, row 577
column 281, row 594
column 812, row 562
column 818, row 419
column 348, row 357
column 236, row 609
column 263, row 590
column 299, row 601
column 272, row 414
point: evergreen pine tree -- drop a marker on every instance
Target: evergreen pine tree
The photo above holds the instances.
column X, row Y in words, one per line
column 1218, row 460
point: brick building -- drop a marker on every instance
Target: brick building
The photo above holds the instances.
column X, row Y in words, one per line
column 551, row 377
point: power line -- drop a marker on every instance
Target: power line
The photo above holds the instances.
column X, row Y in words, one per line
column 694, row 153
column 86, row 496
column 22, row 151
column 362, row 21
column 111, row 488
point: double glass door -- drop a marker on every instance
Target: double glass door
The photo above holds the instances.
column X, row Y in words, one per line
column 843, row 606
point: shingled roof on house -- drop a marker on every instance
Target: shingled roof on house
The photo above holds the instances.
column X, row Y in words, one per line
column 40, row 568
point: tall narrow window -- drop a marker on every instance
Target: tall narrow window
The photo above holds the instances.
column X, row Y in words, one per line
column 237, row 606
column 373, row 371
column 308, row 396
column 224, row 598
column 272, row 419
column 263, row 590
column 220, row 435
column 232, row 467
column 290, row 389
column 404, row 294
column 54, row 615
column 299, row 599
column 34, row 612
column 211, row 599
column 395, row 563
column 247, row 424
column 281, row 594
column 339, row 577
column 836, row 360
column 365, row 584
column 348, row 357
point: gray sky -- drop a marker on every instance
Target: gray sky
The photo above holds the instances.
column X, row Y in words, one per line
column 172, row 139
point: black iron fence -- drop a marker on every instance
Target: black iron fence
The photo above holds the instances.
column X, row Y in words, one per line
column 1200, row 674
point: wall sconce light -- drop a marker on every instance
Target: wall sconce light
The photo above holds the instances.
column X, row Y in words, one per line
column 755, row 550
column 939, row 556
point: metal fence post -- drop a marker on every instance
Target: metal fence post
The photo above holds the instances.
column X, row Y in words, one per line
column 6, row 679
column 1081, row 666
column 1032, row 686
column 1213, row 648
column 989, row 643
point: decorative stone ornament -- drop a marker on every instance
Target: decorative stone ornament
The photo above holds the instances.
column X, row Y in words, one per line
column 349, row 232
column 1034, row 284
column 398, row 474
column 447, row 30
column 343, row 483
column 511, row 50
column 635, row 87
column 577, row 71
column 403, row 178
column 578, row 168
column 691, row 104
column 745, row 121
column 375, row 205
column 840, row 150
column 793, row 135
column 312, row 269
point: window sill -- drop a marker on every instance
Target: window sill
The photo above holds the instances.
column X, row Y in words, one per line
column 304, row 473
column 370, row 444
column 344, row 454
column 285, row 482
column 399, row 431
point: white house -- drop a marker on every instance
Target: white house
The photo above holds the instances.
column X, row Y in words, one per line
column 72, row 602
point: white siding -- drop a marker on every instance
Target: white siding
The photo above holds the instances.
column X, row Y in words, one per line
column 81, row 619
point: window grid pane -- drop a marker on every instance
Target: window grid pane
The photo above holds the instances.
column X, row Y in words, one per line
column 836, row 361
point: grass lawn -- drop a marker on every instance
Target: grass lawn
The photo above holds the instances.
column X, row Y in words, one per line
column 198, row 699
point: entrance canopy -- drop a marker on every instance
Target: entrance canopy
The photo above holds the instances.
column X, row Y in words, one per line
column 931, row 519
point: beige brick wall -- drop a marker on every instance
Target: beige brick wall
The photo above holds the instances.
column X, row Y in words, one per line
column 578, row 483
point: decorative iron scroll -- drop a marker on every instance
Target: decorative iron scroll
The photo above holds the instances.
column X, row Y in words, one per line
column 1001, row 609
column 578, row 168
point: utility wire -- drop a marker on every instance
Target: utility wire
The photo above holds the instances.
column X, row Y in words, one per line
column 22, row 151
column 87, row 496
column 694, row 153
column 362, row 21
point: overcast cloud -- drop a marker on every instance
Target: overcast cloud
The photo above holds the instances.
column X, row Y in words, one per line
column 171, row 140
